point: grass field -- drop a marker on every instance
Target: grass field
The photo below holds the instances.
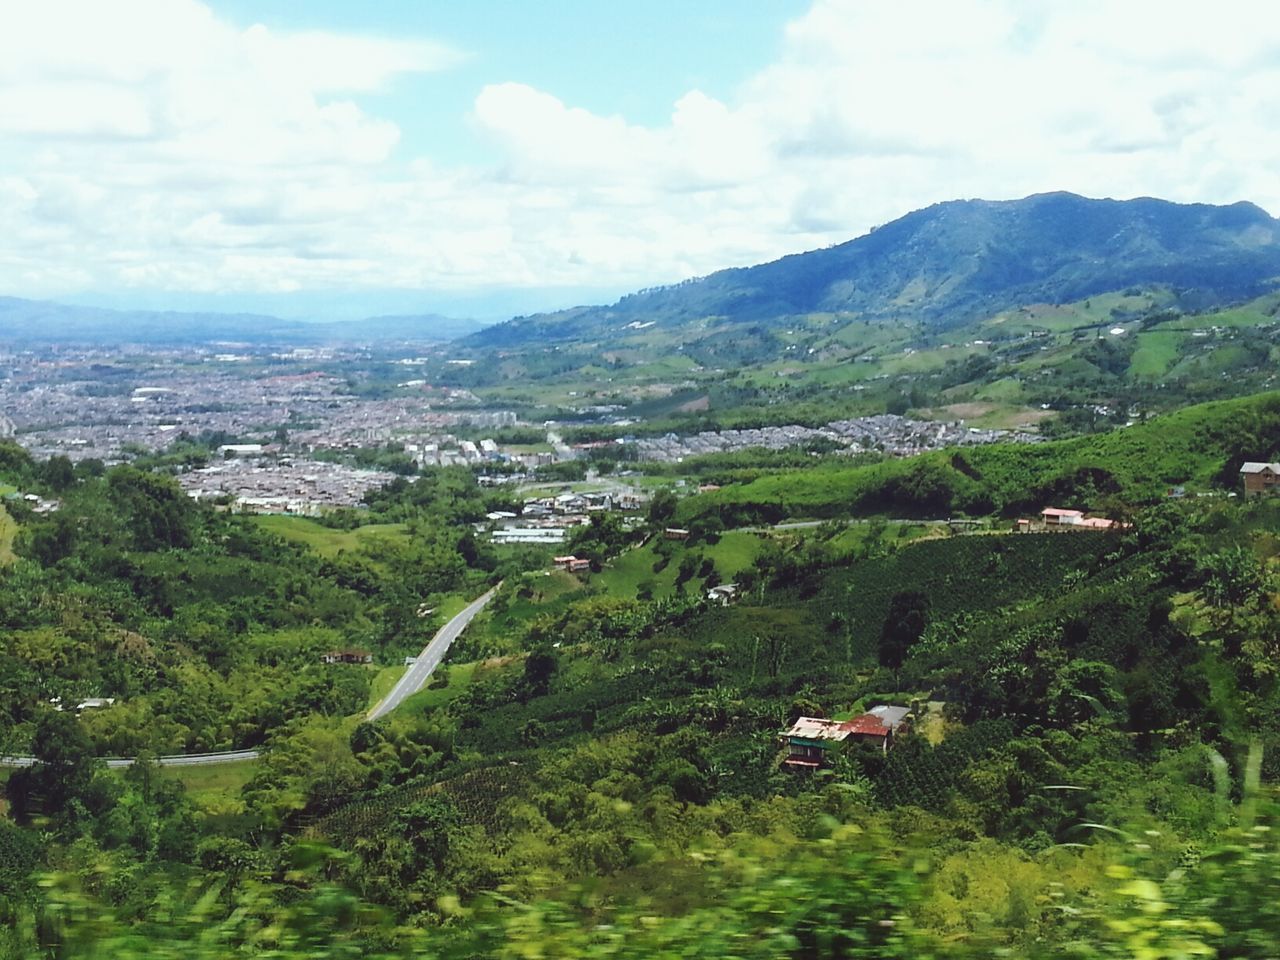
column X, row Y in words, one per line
column 383, row 681
column 8, row 530
column 624, row 576
column 215, row 789
column 328, row 542
column 1157, row 351
column 430, row 698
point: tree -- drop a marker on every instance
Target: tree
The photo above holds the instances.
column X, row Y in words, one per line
column 662, row 507
column 539, row 667
column 63, row 771
column 903, row 626
column 1234, row 580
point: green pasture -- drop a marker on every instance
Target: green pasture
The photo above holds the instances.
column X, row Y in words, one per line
column 1156, row 353
column 326, row 541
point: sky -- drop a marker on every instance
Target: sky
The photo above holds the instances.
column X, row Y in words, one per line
column 333, row 159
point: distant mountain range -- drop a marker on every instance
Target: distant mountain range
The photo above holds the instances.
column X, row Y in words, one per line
column 43, row 321
column 960, row 261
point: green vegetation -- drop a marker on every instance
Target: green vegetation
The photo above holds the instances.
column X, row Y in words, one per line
column 596, row 769
column 8, row 530
column 1200, row 446
column 329, row 542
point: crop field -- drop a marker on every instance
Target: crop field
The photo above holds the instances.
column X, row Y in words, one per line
column 959, row 573
column 326, row 541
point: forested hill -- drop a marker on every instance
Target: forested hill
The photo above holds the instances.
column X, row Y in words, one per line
column 963, row 260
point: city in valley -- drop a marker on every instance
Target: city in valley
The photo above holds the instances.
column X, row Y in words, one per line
column 303, row 430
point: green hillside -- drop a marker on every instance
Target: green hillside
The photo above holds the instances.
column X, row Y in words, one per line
column 1201, row 446
column 597, row 771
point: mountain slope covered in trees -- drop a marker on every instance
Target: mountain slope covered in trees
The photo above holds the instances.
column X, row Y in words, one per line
column 959, row 261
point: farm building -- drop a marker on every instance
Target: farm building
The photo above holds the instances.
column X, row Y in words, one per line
column 1259, row 477
column 810, row 738
column 1054, row 517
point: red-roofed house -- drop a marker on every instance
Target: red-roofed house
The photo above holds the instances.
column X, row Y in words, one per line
column 809, row 738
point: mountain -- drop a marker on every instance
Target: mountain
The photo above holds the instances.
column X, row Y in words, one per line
column 43, row 321
column 430, row 326
column 959, row 261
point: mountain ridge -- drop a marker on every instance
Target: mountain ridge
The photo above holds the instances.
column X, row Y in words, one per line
column 959, row 260
column 41, row 321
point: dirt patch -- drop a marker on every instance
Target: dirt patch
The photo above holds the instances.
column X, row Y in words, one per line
column 967, row 411
column 699, row 405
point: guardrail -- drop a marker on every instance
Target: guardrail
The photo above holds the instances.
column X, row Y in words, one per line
column 177, row 760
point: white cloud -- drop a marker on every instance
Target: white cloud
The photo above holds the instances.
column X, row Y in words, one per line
column 148, row 144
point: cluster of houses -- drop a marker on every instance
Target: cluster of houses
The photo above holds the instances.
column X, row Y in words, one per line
column 570, row 504
column 347, row 656
column 812, row 742
column 35, row 503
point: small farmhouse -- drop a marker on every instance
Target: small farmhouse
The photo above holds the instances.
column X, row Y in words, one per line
column 880, row 725
column 1259, row 477
column 1055, row 517
column 810, row 739
column 676, row 533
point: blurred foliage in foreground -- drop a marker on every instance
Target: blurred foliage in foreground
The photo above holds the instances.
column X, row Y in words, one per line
column 845, row 891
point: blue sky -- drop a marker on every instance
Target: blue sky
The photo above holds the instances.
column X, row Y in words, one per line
column 326, row 159
column 609, row 58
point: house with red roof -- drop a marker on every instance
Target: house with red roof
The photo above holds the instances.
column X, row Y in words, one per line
column 810, row 739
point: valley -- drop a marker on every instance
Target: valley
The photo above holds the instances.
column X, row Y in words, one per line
column 572, row 637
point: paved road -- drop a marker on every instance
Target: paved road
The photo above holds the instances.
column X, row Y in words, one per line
column 809, row 524
column 416, row 676
column 179, row 760
column 412, row 681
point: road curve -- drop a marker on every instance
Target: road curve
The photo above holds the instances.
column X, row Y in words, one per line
column 412, row 681
column 416, row 676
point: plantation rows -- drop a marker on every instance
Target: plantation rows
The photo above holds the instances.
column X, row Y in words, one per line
column 974, row 574
column 19, row 853
column 477, row 794
column 921, row 775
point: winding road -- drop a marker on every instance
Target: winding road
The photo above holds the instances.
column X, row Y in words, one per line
column 413, row 680
column 416, row 676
